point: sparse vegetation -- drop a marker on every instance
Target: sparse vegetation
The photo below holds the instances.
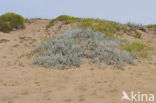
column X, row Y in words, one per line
column 10, row 21
column 151, row 26
column 16, row 45
column 137, row 26
column 110, row 28
column 65, row 18
column 137, row 48
column 137, row 35
column 67, row 49
column 22, row 55
column 25, row 92
column 4, row 40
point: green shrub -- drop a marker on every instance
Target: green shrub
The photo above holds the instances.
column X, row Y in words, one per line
column 51, row 23
column 87, row 24
column 65, row 18
column 68, row 19
column 136, row 48
column 137, row 34
column 4, row 40
column 151, row 26
column 108, row 27
column 9, row 21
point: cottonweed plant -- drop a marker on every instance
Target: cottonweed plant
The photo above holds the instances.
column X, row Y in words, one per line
column 67, row 49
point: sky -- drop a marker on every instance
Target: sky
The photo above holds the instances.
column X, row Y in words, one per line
column 136, row 11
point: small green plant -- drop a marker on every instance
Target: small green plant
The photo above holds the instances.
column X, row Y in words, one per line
column 10, row 21
column 137, row 34
column 51, row 23
column 151, row 26
column 87, row 24
column 4, row 40
column 16, row 45
column 136, row 48
column 25, row 92
column 65, row 18
column 22, row 55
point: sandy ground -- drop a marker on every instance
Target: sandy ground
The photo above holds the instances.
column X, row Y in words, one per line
column 23, row 82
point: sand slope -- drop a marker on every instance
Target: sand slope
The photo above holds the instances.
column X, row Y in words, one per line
column 23, row 82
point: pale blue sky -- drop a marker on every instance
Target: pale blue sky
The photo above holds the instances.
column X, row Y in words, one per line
column 138, row 11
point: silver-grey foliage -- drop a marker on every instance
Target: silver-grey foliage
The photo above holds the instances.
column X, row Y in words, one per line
column 68, row 48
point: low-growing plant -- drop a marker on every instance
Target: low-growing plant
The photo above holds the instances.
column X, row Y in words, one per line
column 151, row 26
column 64, row 18
column 108, row 27
column 4, row 40
column 137, row 26
column 137, row 34
column 10, row 21
column 137, row 48
column 16, row 45
column 67, row 49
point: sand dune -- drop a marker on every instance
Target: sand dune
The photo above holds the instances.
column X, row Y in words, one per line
column 23, row 82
